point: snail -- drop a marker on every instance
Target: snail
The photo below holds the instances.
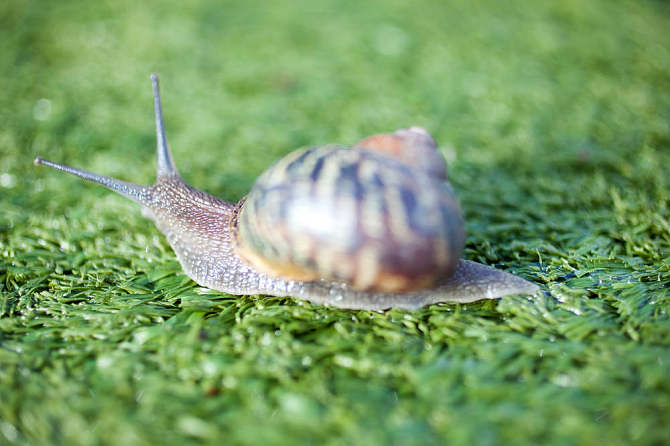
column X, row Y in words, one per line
column 373, row 226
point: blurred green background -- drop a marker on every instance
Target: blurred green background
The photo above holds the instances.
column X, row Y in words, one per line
column 553, row 117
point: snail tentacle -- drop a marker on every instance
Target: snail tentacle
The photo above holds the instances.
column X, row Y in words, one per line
column 136, row 192
column 165, row 163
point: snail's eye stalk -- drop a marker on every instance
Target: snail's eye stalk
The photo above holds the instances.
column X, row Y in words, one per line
column 140, row 194
column 165, row 163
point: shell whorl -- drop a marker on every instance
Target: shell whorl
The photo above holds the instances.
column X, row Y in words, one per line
column 351, row 215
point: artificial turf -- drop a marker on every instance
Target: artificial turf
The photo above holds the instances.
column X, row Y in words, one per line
column 553, row 116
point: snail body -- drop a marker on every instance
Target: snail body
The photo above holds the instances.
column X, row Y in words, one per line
column 372, row 226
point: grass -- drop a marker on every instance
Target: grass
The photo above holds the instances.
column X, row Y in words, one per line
column 554, row 119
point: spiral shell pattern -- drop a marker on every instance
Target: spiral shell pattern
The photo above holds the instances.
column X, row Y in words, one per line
column 350, row 215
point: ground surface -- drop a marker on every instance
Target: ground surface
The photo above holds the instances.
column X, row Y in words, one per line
column 554, row 119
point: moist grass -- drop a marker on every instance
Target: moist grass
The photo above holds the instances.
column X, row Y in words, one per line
column 553, row 118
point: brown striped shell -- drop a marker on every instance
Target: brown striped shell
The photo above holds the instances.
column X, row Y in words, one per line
column 379, row 216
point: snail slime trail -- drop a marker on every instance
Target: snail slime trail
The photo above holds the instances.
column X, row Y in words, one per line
column 372, row 226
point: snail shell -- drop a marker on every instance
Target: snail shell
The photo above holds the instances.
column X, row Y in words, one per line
column 372, row 226
column 351, row 215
